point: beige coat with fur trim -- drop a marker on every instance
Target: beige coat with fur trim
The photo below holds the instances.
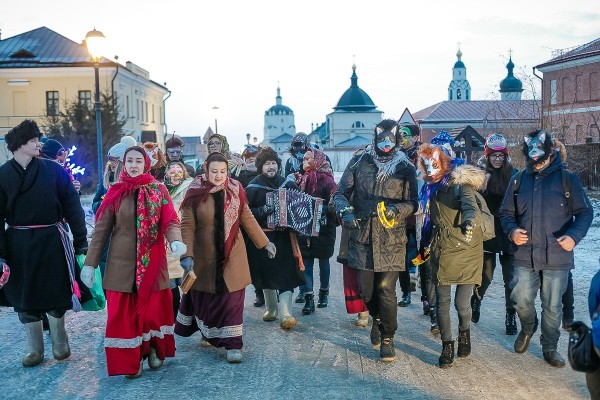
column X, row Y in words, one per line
column 453, row 260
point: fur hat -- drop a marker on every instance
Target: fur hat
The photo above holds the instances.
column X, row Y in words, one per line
column 21, row 134
column 51, row 148
column 267, row 154
column 495, row 143
column 118, row 150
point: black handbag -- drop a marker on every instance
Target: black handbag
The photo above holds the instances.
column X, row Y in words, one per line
column 581, row 353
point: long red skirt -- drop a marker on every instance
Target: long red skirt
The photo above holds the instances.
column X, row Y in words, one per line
column 129, row 337
column 354, row 303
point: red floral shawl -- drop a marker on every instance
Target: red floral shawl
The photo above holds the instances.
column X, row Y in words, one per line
column 235, row 200
column 316, row 179
column 154, row 214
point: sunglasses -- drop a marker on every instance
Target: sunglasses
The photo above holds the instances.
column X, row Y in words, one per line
column 498, row 156
column 113, row 159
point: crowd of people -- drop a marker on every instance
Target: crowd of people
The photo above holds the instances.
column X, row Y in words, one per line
column 402, row 205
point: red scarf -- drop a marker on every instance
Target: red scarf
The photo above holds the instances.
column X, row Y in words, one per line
column 235, row 200
column 154, row 214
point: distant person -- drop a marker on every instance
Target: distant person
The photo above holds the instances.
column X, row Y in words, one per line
column 216, row 144
column 499, row 171
column 249, row 171
column 36, row 195
column 545, row 225
column 174, row 152
column 157, row 160
column 298, row 146
column 53, row 150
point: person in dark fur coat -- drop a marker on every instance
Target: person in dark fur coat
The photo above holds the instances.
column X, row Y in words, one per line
column 381, row 178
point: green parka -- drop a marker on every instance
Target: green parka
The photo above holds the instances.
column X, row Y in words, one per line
column 453, row 260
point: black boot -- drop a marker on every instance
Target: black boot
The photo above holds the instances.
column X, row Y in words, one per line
column 476, row 307
column 309, row 304
column 376, row 334
column 426, row 307
column 511, row 322
column 447, row 356
column 260, row 298
column 387, row 352
column 464, row 343
column 435, row 329
column 299, row 298
column 323, row 298
column 405, row 301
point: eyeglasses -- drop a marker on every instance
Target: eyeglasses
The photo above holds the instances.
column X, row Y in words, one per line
column 498, row 156
column 113, row 159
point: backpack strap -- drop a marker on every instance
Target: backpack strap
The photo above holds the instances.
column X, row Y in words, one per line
column 565, row 179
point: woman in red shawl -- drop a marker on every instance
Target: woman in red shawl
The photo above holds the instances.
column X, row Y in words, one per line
column 137, row 215
column 317, row 181
column 212, row 211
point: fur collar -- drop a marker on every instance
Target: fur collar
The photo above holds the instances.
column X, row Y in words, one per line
column 468, row 175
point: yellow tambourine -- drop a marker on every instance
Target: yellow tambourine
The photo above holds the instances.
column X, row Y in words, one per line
column 383, row 219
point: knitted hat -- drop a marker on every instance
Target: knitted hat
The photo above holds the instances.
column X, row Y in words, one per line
column 118, row 150
column 21, row 134
column 267, row 154
column 444, row 141
column 51, row 148
column 495, row 143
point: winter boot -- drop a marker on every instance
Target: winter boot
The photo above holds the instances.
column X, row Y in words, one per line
column 299, row 298
column 376, row 334
column 271, row 304
column 323, row 298
column 387, row 353
column 60, row 341
column 435, row 329
column 511, row 322
column 34, row 352
column 362, row 319
column 260, row 298
column 447, row 356
column 309, row 304
column 286, row 321
column 426, row 307
column 476, row 307
column 464, row 343
column 405, row 301
column 153, row 361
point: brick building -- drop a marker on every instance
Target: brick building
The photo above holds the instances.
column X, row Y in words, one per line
column 571, row 93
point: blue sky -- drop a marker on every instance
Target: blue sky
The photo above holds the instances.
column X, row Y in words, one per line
column 231, row 54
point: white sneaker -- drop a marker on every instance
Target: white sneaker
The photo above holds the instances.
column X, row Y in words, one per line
column 234, row 356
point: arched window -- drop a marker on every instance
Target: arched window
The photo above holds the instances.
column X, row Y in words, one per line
column 450, row 96
column 467, row 94
column 358, row 124
column 458, row 94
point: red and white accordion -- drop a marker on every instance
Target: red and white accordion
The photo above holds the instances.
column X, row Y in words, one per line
column 295, row 210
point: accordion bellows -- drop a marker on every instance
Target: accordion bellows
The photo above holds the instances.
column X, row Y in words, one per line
column 295, row 210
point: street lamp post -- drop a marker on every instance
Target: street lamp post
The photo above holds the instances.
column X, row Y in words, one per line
column 93, row 41
column 248, row 138
column 215, row 110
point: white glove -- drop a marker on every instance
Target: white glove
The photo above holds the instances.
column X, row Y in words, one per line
column 178, row 248
column 271, row 249
column 88, row 276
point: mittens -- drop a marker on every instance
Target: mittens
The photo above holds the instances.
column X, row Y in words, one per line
column 178, row 248
column 271, row 249
column 187, row 264
column 88, row 276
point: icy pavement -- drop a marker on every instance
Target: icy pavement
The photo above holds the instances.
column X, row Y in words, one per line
column 325, row 357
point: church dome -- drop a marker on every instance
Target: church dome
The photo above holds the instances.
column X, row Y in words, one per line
column 459, row 63
column 279, row 108
column 355, row 99
column 511, row 83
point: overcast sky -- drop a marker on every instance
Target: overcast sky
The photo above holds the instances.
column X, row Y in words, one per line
column 231, row 54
